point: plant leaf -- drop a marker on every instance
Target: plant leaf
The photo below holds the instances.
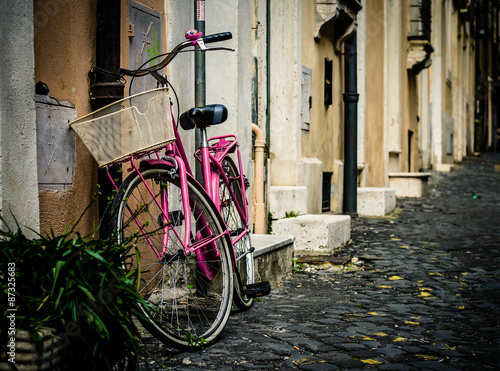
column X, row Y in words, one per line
column 86, row 291
column 97, row 256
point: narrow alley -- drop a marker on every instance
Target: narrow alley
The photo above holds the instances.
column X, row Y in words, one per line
column 421, row 293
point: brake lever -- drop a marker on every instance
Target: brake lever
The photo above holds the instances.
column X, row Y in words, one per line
column 203, row 47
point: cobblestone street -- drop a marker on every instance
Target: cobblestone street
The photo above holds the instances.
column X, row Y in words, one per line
column 421, row 293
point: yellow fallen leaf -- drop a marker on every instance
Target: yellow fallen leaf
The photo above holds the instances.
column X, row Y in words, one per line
column 307, row 361
column 426, row 289
column 362, row 337
column 379, row 334
column 435, row 274
column 371, row 361
column 373, row 313
column 426, row 357
column 447, row 347
column 394, row 278
column 405, row 247
column 424, row 294
column 412, row 323
column 395, row 239
column 461, row 307
column 399, row 338
column 384, row 287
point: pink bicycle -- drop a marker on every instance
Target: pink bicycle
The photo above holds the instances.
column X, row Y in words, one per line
column 193, row 244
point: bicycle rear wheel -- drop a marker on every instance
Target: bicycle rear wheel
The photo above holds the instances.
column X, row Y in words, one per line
column 189, row 295
column 236, row 227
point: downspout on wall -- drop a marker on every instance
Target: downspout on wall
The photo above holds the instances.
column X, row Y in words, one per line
column 351, row 98
column 259, row 208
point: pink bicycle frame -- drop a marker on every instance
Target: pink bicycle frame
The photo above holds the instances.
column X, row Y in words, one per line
column 177, row 158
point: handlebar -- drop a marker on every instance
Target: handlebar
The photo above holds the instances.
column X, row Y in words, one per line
column 195, row 38
column 218, row 37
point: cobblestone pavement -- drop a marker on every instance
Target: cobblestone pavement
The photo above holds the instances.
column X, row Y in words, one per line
column 424, row 294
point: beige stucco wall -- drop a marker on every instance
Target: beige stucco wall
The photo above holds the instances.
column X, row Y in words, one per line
column 64, row 53
column 18, row 162
column 375, row 59
column 324, row 140
column 409, row 103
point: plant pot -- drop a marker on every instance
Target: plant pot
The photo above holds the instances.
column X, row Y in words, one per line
column 26, row 356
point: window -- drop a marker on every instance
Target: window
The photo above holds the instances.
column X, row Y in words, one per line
column 306, row 97
column 328, row 81
column 327, row 190
column 420, row 20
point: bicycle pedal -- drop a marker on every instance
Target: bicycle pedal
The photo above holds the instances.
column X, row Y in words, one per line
column 256, row 290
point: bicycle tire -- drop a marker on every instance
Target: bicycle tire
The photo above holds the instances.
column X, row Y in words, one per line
column 187, row 310
column 235, row 226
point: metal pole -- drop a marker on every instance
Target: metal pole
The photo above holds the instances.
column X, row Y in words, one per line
column 199, row 85
column 351, row 98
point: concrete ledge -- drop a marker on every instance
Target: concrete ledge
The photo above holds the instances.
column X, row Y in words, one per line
column 376, row 201
column 322, row 234
column 284, row 199
column 409, row 184
column 445, row 168
column 272, row 257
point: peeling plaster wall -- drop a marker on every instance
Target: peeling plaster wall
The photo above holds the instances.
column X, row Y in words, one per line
column 64, row 54
column 18, row 172
column 65, row 37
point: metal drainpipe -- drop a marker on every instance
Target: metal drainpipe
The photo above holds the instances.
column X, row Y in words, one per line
column 258, row 188
column 106, row 88
column 351, row 98
column 268, row 74
column 199, row 83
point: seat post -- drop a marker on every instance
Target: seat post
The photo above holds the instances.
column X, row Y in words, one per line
column 204, row 139
column 205, row 160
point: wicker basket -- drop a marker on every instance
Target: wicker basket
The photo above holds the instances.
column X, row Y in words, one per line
column 139, row 123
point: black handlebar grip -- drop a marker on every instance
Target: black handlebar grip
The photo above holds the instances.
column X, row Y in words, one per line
column 218, row 37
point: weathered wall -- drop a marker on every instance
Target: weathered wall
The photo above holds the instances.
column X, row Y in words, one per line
column 375, row 138
column 410, row 156
column 65, row 34
column 18, row 175
column 324, row 140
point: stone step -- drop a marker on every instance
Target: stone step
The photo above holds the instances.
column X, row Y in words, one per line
column 376, row 201
column 272, row 257
column 409, row 184
column 316, row 233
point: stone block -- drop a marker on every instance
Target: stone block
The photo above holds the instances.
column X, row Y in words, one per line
column 311, row 176
column 272, row 258
column 284, row 199
column 376, row 201
column 322, row 234
column 445, row 168
column 409, row 184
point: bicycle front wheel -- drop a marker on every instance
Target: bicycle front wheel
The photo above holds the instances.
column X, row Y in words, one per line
column 189, row 295
column 236, row 227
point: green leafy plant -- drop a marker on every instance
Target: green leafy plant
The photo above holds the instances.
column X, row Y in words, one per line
column 78, row 286
column 270, row 222
column 291, row 214
column 297, row 266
